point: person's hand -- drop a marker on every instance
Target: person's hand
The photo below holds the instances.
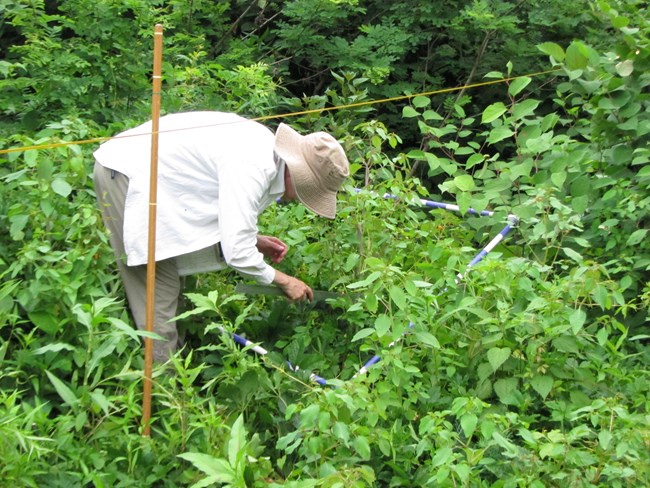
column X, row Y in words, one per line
column 272, row 247
column 292, row 287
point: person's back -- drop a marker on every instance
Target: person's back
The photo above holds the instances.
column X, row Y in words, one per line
column 216, row 173
column 195, row 151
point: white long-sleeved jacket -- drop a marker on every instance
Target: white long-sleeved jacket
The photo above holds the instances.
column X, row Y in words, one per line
column 216, row 174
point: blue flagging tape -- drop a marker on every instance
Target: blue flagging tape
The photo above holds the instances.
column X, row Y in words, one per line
column 433, row 204
column 512, row 223
column 246, row 343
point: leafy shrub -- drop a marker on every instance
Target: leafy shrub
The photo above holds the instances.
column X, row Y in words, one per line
column 528, row 371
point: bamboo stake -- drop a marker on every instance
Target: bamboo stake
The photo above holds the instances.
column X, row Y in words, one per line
column 153, row 196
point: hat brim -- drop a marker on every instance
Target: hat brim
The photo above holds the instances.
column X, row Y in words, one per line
column 289, row 145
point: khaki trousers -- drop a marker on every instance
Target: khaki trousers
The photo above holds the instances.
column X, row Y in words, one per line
column 111, row 187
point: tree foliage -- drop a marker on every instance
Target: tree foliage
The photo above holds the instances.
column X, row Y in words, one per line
column 531, row 370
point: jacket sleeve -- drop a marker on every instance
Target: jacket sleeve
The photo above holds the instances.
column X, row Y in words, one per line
column 242, row 189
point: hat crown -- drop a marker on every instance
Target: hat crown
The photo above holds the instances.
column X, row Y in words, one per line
column 326, row 158
column 317, row 164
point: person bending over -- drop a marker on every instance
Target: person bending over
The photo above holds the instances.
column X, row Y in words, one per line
column 217, row 172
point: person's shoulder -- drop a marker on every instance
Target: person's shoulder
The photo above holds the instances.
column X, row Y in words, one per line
column 211, row 119
column 199, row 115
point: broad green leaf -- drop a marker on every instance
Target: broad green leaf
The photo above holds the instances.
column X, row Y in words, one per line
column 542, row 384
column 497, row 356
column 45, row 169
column 372, row 303
column 351, row 262
column 398, row 297
column 409, row 112
column 427, row 338
column 61, row 187
column 416, row 154
column 105, row 349
column 297, row 235
column 30, row 156
column 45, row 321
column 500, row 133
column 468, row 423
column 431, row 115
column 581, row 186
column 309, row 415
column 576, row 256
column 422, row 284
column 464, row 201
column 14, row 176
column 421, row 101
column 522, row 169
column 208, row 482
column 442, row 456
column 127, row 329
column 363, row 333
column 539, row 144
column 382, row 324
column 604, row 438
column 580, row 204
column 565, row 343
column 100, row 400
column 622, row 154
column 625, row 68
column 18, row 223
column 62, row 389
column 59, row 346
column 537, row 303
column 506, row 390
column 371, row 278
column 464, row 182
column 552, row 450
column 511, row 449
column 577, row 320
column 362, row 447
column 474, row 159
column 524, row 108
column 292, row 440
column 202, row 301
column 341, row 432
column 636, row 237
column 552, row 49
column 462, row 470
column 493, row 112
column 217, row 468
column 518, row 84
column 450, row 167
column 441, row 477
column 237, row 440
column 601, row 296
column 80, row 420
column 575, row 58
column 619, row 22
column 558, row 178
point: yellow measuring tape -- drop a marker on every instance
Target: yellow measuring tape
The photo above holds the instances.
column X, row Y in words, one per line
column 293, row 114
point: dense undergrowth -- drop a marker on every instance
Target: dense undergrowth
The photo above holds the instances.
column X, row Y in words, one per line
column 530, row 371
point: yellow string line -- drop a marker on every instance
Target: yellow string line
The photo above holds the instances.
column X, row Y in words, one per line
column 291, row 114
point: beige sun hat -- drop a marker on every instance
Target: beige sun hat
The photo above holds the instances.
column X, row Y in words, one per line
column 317, row 165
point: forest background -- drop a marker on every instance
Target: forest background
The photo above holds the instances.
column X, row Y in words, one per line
column 530, row 371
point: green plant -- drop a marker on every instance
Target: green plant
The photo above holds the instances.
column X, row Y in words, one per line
column 528, row 371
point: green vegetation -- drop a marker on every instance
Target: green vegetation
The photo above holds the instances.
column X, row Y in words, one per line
column 530, row 372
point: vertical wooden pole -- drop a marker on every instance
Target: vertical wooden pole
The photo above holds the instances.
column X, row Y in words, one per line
column 153, row 197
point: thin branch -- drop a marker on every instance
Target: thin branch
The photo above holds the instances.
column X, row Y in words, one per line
column 260, row 26
column 215, row 49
